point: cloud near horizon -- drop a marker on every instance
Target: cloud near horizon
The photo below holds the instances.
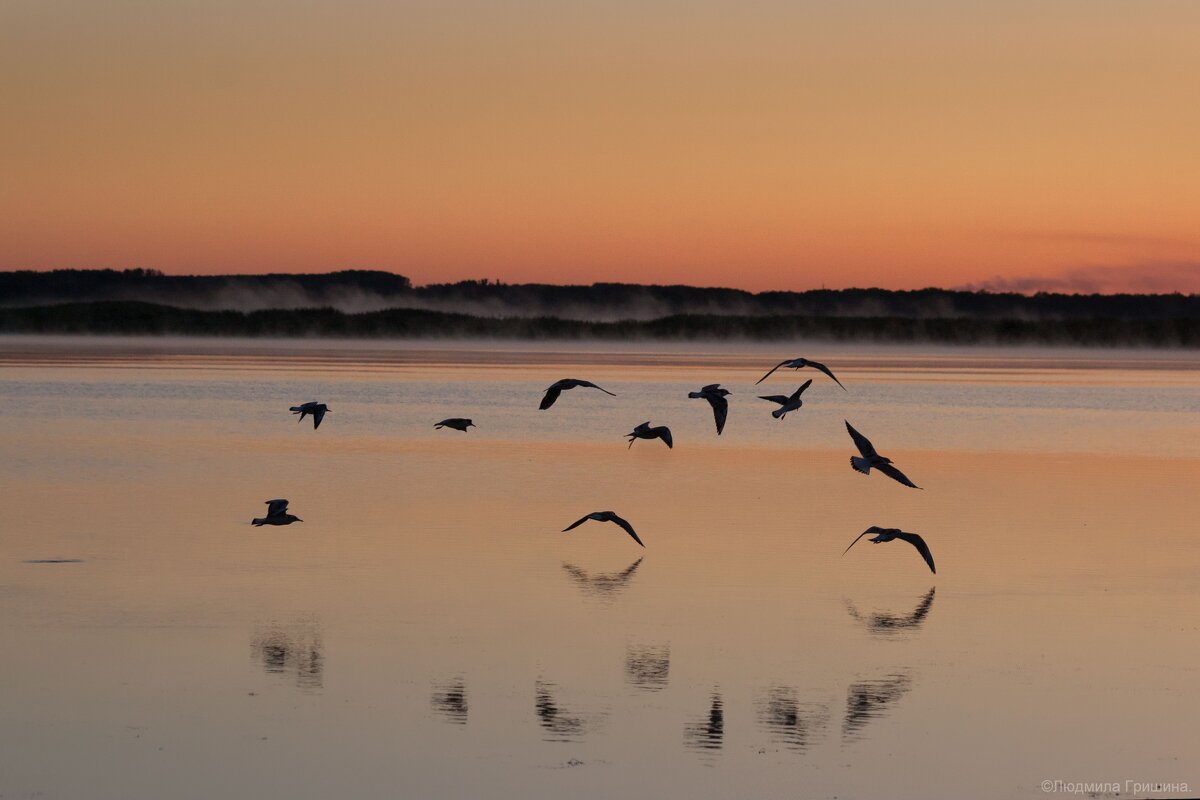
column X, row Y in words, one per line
column 1144, row 278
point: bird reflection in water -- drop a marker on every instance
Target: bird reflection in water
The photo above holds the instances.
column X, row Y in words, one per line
column 793, row 724
column 557, row 724
column 868, row 700
column 648, row 666
column 884, row 624
column 450, row 700
column 707, row 734
column 605, row 586
column 293, row 649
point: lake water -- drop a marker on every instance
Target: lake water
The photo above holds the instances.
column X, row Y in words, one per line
column 428, row 631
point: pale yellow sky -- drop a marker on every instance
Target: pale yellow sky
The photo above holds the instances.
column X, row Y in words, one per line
column 762, row 145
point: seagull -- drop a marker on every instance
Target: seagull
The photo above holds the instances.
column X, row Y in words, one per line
column 888, row 534
column 311, row 407
column 798, row 363
column 606, row 516
column 872, row 459
column 458, row 423
column 644, row 431
column 558, row 387
column 787, row 404
column 276, row 515
column 715, row 396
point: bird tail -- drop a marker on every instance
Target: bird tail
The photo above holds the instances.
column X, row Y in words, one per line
column 860, row 465
column 778, row 413
column 695, row 394
column 256, row 522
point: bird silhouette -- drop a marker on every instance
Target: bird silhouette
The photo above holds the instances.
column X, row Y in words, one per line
column 606, row 516
column 558, row 387
column 276, row 515
column 888, row 534
column 789, row 403
column 870, row 459
column 457, row 423
column 644, row 431
column 715, row 396
column 311, row 407
column 799, row 363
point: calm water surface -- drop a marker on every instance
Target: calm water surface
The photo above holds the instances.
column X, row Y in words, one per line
column 429, row 632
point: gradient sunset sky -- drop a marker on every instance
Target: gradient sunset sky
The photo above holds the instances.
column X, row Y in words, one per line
column 762, row 145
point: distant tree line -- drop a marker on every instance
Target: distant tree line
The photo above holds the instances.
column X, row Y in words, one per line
column 136, row 318
column 369, row 290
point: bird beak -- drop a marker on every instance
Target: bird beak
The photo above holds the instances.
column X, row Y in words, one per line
column 299, row 520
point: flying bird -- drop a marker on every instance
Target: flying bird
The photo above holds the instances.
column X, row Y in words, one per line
column 715, row 396
column 311, row 407
column 558, row 387
column 606, row 516
column 276, row 515
column 799, row 363
column 872, row 459
column 787, row 404
column 644, row 431
column 888, row 534
column 458, row 423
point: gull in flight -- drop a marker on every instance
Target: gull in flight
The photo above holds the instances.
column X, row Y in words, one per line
column 872, row 459
column 715, row 396
column 606, row 516
column 787, row 404
column 799, row 363
column 458, row 423
column 558, row 387
column 644, row 431
column 276, row 515
column 311, row 407
column 888, row 534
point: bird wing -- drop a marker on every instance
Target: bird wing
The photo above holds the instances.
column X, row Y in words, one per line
column 318, row 415
column 861, row 442
column 774, row 398
column 916, row 541
column 645, row 426
column 720, row 407
column 628, row 528
column 577, row 523
column 551, row 395
column 777, row 366
column 712, row 387
column 800, row 391
column 275, row 507
column 895, row 474
column 864, row 533
column 664, row 433
column 827, row 371
column 594, row 386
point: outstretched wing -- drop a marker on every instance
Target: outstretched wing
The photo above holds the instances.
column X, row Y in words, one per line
column 777, row 366
column 318, row 415
column 826, row 370
column 591, row 385
column 774, row 398
column 275, row 507
column 664, row 433
column 897, row 475
column 628, row 528
column 577, row 523
column 720, row 407
column 861, row 442
column 804, row 386
column 856, row 538
column 712, row 387
column 916, row 541
column 551, row 395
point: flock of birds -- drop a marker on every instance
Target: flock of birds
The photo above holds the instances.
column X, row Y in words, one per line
column 868, row 457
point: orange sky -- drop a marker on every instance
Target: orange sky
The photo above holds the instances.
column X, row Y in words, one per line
column 757, row 144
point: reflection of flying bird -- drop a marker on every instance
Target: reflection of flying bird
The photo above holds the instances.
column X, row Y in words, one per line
column 605, row 585
column 558, row 387
column 884, row 623
column 788, row 403
column 790, row 721
column 868, row 700
column 458, row 423
column 311, row 407
column 559, row 726
column 644, row 431
column 708, row 733
column 606, row 516
column 276, row 515
column 715, row 396
column 798, row 363
column 870, row 459
column 450, row 699
column 888, row 534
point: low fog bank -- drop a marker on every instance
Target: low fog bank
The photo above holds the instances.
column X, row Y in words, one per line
column 361, row 291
